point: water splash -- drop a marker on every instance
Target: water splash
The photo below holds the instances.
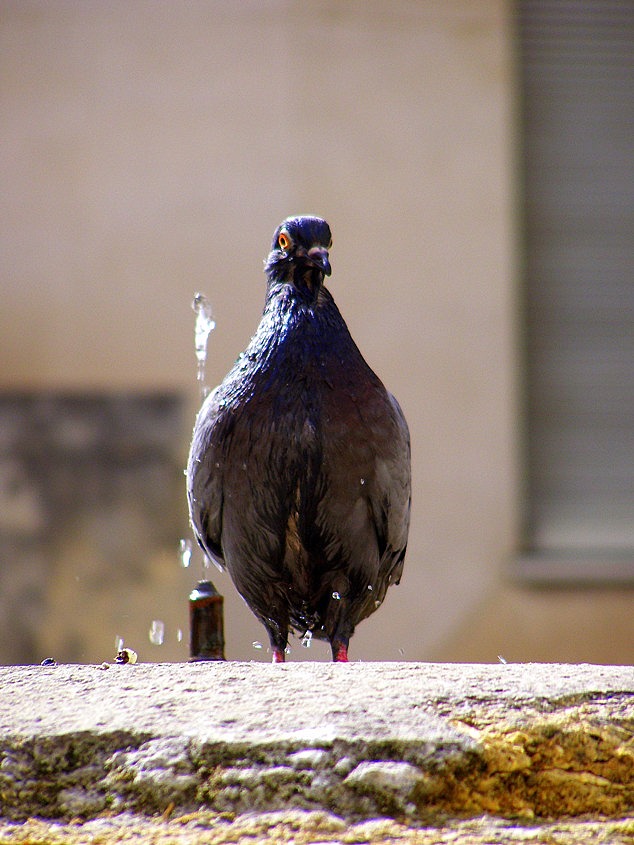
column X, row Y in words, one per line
column 336, row 596
column 179, row 635
column 185, row 552
column 208, row 561
column 126, row 655
column 205, row 324
column 257, row 645
column 307, row 639
column 118, row 643
column 157, row 632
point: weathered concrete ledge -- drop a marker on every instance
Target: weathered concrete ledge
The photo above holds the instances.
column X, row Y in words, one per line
column 407, row 742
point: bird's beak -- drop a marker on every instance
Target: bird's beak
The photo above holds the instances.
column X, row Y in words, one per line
column 318, row 256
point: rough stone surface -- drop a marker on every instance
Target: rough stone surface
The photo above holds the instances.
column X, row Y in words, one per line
column 328, row 746
column 301, row 827
column 390, row 785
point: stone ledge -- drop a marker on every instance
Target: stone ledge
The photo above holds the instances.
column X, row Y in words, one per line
column 407, row 742
column 303, row 827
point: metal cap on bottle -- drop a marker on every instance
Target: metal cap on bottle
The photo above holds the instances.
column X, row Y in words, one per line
column 206, row 623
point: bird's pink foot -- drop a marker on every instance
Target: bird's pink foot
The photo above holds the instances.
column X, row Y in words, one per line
column 340, row 653
column 278, row 655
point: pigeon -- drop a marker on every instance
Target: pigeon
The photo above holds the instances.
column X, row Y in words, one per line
column 298, row 477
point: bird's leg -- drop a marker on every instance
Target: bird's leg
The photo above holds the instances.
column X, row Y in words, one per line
column 339, row 650
column 279, row 655
column 340, row 628
column 278, row 637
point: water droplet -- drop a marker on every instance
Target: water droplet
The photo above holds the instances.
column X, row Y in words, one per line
column 207, row 562
column 401, row 651
column 179, row 635
column 185, row 552
column 157, row 632
column 502, row 659
column 307, row 639
column 336, row 596
column 370, row 587
column 205, row 324
column 257, row 645
column 362, row 480
column 287, row 650
column 118, row 643
column 377, row 603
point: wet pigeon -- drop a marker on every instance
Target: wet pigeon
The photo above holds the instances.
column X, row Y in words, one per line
column 298, row 477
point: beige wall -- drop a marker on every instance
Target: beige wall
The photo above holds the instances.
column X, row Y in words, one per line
column 149, row 151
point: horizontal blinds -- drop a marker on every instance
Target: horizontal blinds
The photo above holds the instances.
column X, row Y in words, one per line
column 578, row 144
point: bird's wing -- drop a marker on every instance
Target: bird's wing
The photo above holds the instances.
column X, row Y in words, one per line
column 204, row 476
column 366, row 489
column 392, row 499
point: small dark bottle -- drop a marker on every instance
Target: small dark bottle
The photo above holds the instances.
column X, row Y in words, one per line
column 206, row 623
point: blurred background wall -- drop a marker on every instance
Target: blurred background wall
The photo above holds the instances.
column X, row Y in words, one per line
column 149, row 150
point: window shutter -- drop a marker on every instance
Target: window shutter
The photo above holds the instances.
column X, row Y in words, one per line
column 577, row 62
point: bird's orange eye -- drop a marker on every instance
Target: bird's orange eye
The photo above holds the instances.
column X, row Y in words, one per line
column 284, row 241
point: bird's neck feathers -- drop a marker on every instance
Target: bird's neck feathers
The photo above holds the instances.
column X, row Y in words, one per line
column 299, row 321
column 291, row 303
column 297, row 281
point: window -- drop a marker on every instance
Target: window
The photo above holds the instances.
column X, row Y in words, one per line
column 577, row 66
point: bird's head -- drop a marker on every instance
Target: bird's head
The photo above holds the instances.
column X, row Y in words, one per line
column 299, row 253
